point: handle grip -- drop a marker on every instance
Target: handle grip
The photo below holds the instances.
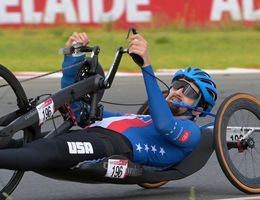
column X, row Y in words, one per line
column 136, row 58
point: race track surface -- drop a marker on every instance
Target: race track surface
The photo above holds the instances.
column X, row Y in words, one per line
column 208, row 183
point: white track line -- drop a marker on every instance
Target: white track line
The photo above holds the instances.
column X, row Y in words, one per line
column 243, row 198
column 162, row 72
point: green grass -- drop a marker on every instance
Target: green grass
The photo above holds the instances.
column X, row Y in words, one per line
column 37, row 49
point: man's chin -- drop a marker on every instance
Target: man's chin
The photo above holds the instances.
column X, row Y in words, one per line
column 176, row 110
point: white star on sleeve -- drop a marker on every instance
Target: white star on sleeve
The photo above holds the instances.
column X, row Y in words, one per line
column 138, row 147
column 162, row 151
column 146, row 148
column 153, row 149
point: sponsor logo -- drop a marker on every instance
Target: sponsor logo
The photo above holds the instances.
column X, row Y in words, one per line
column 238, row 10
column 80, row 148
column 49, row 12
column 185, row 136
column 73, row 11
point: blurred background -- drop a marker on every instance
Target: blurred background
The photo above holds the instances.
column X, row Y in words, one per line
column 211, row 34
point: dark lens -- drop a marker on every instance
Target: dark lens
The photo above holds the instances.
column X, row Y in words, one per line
column 177, row 84
column 187, row 89
column 191, row 93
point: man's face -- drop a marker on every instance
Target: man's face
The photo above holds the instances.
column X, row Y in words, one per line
column 178, row 95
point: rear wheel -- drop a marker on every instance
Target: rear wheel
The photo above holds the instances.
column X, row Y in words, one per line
column 237, row 141
column 144, row 110
column 152, row 185
column 12, row 98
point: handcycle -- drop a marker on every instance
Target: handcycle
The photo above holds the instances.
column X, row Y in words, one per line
column 233, row 135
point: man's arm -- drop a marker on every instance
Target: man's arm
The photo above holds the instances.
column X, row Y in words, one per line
column 69, row 74
column 178, row 131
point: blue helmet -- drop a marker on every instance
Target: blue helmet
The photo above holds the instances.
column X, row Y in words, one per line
column 203, row 81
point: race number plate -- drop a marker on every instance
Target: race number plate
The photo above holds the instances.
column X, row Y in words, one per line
column 45, row 110
column 117, row 168
column 234, row 134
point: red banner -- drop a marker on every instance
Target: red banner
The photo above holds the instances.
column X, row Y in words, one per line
column 124, row 13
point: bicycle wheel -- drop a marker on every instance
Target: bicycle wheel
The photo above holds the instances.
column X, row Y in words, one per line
column 237, row 141
column 12, row 98
column 144, row 110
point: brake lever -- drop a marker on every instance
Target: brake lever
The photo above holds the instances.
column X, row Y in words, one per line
column 137, row 58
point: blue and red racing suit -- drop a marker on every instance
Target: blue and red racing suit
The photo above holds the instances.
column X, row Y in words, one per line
column 159, row 139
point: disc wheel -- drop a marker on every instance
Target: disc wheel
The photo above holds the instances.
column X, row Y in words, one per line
column 12, row 98
column 144, row 110
column 237, row 141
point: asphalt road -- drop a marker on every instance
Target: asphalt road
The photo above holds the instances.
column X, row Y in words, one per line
column 208, row 183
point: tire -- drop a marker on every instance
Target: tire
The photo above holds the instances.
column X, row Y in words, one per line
column 152, row 185
column 11, row 89
column 144, row 110
column 239, row 157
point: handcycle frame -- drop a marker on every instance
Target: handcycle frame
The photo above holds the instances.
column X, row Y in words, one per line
column 91, row 85
column 95, row 172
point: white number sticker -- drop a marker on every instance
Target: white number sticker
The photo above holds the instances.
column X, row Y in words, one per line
column 117, row 168
column 234, row 134
column 45, row 110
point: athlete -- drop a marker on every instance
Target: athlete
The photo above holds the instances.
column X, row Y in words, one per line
column 161, row 139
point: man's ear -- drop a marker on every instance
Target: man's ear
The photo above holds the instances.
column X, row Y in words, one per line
column 197, row 113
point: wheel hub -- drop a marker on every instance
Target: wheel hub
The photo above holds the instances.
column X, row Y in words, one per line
column 250, row 143
column 244, row 144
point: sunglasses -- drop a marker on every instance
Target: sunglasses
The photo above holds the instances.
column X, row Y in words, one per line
column 187, row 89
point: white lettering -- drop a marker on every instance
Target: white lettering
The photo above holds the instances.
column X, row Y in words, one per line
column 133, row 15
column 72, row 147
column 29, row 15
column 54, row 7
column 249, row 13
column 88, row 148
column 220, row 6
column 84, row 11
column 99, row 15
column 80, row 148
column 87, row 11
column 9, row 18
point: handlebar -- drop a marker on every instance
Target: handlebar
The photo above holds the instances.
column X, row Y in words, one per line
column 76, row 49
column 113, row 69
column 91, row 68
column 89, row 86
column 79, row 48
column 136, row 58
column 92, row 63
